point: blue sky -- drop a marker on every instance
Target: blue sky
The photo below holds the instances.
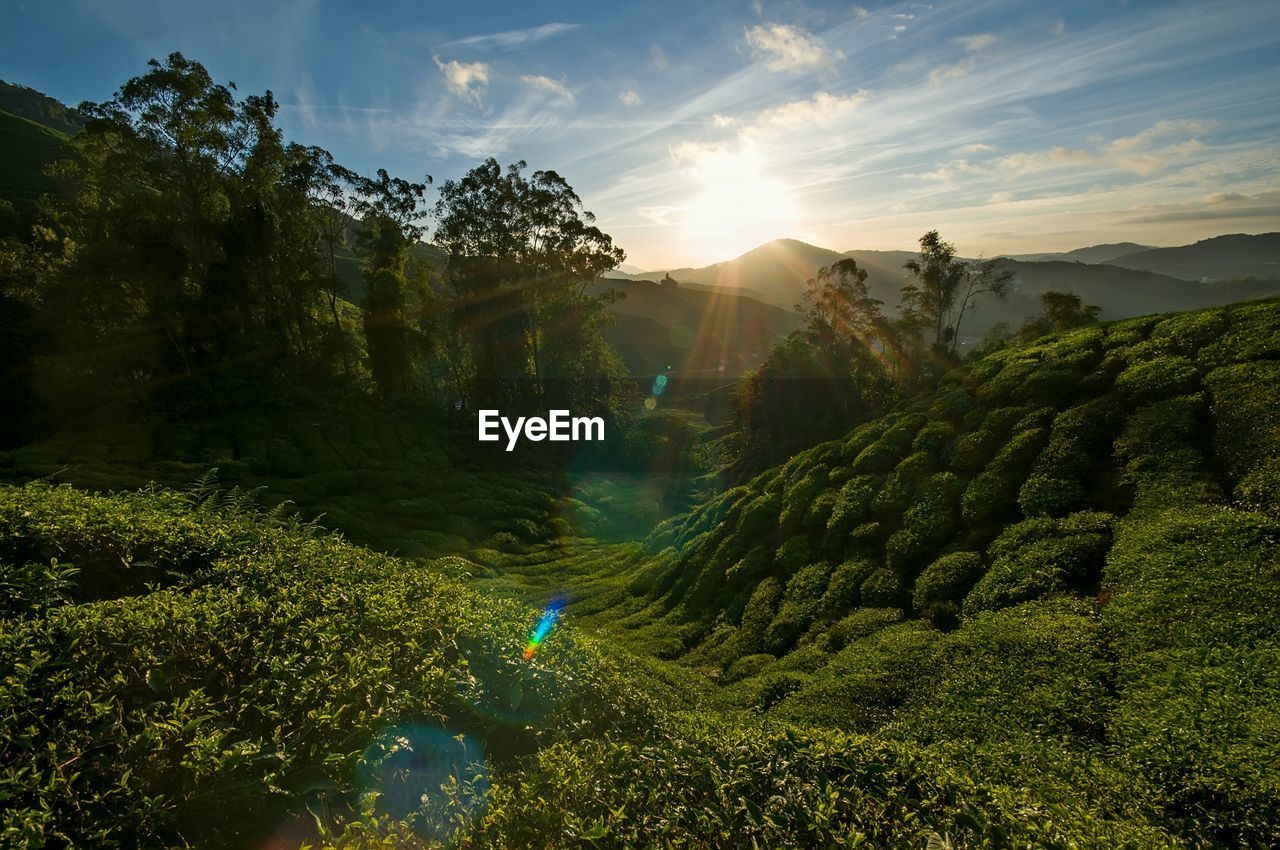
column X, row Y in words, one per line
column 695, row 131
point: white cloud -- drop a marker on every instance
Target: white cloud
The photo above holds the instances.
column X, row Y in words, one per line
column 548, row 85
column 860, row 12
column 943, row 73
column 976, row 42
column 976, row 147
column 630, row 98
column 788, row 48
column 972, row 44
column 465, row 79
column 510, row 39
column 818, row 111
column 723, row 121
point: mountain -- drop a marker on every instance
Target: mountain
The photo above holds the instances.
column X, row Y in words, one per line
column 1120, row 292
column 776, row 271
column 1091, row 254
column 40, row 108
column 1238, row 255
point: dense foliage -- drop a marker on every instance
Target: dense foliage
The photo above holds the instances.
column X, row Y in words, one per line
column 1059, row 569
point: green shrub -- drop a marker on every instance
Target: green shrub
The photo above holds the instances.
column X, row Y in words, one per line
column 877, row 458
column 882, row 589
column 947, row 579
column 1042, row 556
column 844, row 588
column 860, row 623
column 1246, row 418
column 970, row 452
column 791, row 555
column 993, row 493
column 759, row 612
column 748, row 666
column 800, row 604
column 932, row 438
column 1158, row 378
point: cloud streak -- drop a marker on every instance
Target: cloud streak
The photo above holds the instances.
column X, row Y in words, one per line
column 513, row 39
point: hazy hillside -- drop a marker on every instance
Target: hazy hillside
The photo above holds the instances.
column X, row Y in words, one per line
column 708, row 332
column 1220, row 258
column 776, row 272
column 1091, row 254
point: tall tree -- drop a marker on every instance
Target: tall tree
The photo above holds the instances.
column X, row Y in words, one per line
column 522, row 253
column 392, row 215
column 944, row 288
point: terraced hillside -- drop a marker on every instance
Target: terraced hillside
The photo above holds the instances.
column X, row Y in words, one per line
column 1038, row 608
column 1061, row 569
column 181, row 670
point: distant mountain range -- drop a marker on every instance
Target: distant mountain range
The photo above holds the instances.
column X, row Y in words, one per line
column 1135, row 281
column 1091, row 254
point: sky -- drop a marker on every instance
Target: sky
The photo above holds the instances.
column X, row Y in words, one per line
column 696, row 131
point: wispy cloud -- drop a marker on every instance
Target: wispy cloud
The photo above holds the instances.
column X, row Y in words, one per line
column 629, row 98
column 973, row 45
column 542, row 83
column 512, row 39
column 658, row 57
column 1143, row 153
column 786, row 48
column 976, row 42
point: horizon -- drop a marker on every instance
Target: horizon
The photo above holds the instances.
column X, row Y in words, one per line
column 715, row 130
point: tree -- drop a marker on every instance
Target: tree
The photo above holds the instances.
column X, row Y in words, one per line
column 522, row 253
column 1060, row 311
column 944, row 288
column 819, row 381
column 391, row 211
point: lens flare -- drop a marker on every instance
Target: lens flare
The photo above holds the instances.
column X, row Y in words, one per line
column 539, row 634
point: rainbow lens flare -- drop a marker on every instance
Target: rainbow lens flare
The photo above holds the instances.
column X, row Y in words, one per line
column 539, row 634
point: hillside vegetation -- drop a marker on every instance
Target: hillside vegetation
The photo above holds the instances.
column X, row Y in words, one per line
column 182, row 670
column 1060, row 569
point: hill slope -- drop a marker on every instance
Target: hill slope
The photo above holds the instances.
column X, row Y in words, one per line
column 207, row 676
column 1063, row 568
column 27, row 149
column 1221, row 258
column 1092, row 254
column 697, row 332
column 776, row 272
column 40, row 108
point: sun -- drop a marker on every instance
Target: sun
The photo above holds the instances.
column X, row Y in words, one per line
column 739, row 206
